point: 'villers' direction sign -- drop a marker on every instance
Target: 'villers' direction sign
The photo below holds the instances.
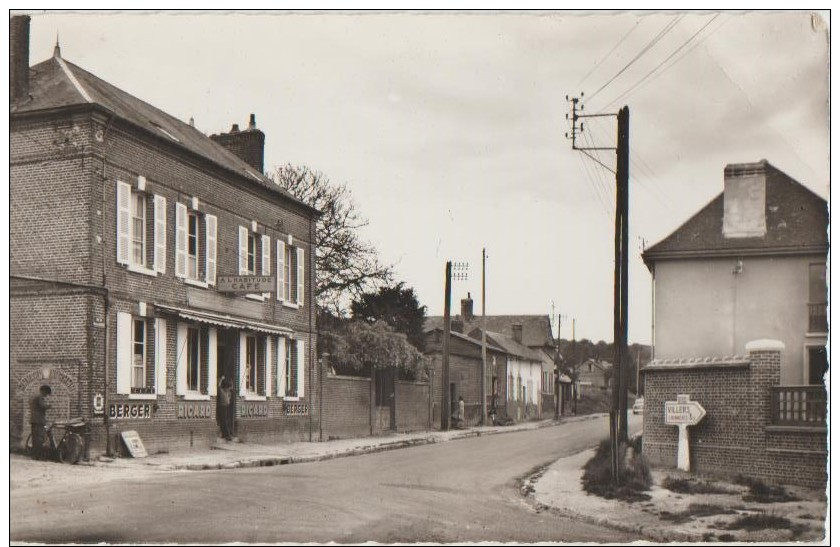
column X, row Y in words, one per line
column 245, row 283
column 683, row 412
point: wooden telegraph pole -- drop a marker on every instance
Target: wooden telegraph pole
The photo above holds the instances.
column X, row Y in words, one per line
column 445, row 410
column 483, row 420
column 618, row 414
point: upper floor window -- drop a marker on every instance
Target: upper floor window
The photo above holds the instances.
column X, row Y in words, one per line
column 135, row 206
column 254, row 254
column 195, row 244
column 291, row 273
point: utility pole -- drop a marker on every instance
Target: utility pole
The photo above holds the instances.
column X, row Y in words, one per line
column 461, row 273
column 447, row 301
column 483, row 339
column 618, row 421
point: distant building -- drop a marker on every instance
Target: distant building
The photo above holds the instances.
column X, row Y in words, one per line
column 741, row 328
column 123, row 219
column 594, row 375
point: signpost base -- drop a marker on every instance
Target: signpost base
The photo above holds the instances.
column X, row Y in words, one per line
column 683, row 461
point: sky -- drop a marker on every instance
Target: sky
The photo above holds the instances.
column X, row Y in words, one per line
column 449, row 128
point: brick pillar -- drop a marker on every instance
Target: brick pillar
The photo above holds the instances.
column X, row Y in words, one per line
column 765, row 372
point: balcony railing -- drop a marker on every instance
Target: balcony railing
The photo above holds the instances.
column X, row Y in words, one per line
column 799, row 405
column 817, row 317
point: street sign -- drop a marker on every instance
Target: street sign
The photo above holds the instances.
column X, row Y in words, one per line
column 134, row 444
column 683, row 413
column 245, row 283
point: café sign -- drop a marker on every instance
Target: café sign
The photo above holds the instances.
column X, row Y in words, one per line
column 245, row 283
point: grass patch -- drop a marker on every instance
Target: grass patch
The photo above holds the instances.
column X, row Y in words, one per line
column 728, row 538
column 760, row 521
column 634, row 480
column 761, row 492
column 708, row 509
column 688, row 486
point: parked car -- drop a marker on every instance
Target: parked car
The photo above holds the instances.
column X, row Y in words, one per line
column 639, row 406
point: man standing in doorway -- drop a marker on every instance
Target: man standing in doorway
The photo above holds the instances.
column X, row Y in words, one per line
column 223, row 410
column 38, row 407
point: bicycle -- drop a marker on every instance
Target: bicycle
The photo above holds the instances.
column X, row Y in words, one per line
column 70, row 447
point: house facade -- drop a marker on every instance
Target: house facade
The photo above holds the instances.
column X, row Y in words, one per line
column 465, row 374
column 531, row 331
column 124, row 221
column 740, row 318
column 524, row 377
column 594, row 376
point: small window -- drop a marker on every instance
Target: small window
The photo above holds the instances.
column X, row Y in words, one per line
column 290, row 283
column 192, row 245
column 252, row 254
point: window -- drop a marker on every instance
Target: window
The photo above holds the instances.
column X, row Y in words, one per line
column 192, row 246
column 251, row 364
column 511, row 391
column 138, row 355
column 141, row 356
column 291, row 368
column 254, row 255
column 196, row 361
column 193, row 359
column 135, row 208
column 195, row 238
column 291, row 268
column 290, row 363
column 138, row 229
column 817, row 297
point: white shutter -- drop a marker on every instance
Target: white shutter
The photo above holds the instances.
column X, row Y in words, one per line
column 243, row 250
column 266, row 259
column 242, row 345
column 281, row 366
column 268, row 363
column 181, row 361
column 181, row 222
column 211, row 362
column 124, row 340
column 160, row 234
column 300, row 367
column 281, row 256
column 160, row 355
column 301, row 276
column 210, row 255
column 123, row 222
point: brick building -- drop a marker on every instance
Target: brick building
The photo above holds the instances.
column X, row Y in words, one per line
column 123, row 219
column 744, row 274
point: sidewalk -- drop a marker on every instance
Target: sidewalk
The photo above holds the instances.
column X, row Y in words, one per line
column 683, row 517
column 233, row 455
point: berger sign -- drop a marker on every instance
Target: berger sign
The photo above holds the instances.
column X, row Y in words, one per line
column 245, row 283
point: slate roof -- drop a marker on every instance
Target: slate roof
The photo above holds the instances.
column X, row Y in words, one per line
column 536, row 329
column 512, row 347
column 797, row 221
column 490, row 345
column 58, row 83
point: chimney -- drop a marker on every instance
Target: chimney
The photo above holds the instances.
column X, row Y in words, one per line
column 456, row 325
column 467, row 308
column 744, row 199
column 248, row 145
column 517, row 332
column 18, row 58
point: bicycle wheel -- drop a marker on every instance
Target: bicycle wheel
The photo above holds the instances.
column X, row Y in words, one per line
column 70, row 448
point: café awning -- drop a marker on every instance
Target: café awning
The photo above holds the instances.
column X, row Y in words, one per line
column 227, row 321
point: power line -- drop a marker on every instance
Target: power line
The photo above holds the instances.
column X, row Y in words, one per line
column 657, row 67
column 594, row 187
column 588, row 74
column 668, row 27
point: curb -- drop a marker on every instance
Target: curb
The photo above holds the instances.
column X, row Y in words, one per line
column 270, row 461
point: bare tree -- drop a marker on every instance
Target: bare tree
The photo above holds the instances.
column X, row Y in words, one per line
column 346, row 266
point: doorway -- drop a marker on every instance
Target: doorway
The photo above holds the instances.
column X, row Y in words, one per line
column 227, row 351
column 817, row 364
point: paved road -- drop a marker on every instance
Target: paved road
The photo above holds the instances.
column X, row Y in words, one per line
column 458, row 491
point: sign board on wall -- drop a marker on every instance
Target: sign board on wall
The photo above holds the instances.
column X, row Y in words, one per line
column 129, row 411
column 245, row 284
column 195, row 410
column 134, row 444
column 296, row 409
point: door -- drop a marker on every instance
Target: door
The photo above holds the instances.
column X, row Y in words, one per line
column 453, row 400
column 817, row 365
column 227, row 352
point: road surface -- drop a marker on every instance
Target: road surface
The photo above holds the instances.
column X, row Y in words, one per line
column 458, row 491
